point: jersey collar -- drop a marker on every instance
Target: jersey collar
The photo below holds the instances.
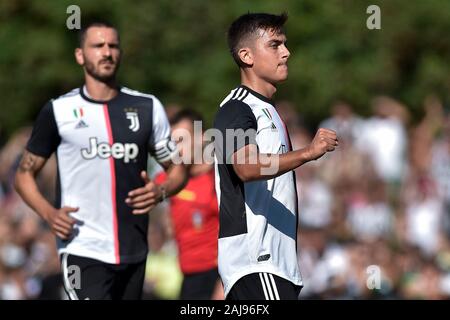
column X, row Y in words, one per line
column 84, row 94
column 258, row 95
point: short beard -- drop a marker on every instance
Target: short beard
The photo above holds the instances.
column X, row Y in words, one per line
column 92, row 71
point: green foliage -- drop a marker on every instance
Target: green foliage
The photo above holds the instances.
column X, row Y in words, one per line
column 177, row 51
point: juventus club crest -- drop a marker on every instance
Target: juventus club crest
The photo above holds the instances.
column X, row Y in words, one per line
column 132, row 115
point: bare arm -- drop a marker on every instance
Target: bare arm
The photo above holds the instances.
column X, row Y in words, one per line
column 146, row 198
column 177, row 177
column 251, row 165
column 25, row 184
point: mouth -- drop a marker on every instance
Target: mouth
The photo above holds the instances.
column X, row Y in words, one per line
column 107, row 63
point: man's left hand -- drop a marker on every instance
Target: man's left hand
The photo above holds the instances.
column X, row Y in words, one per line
column 144, row 199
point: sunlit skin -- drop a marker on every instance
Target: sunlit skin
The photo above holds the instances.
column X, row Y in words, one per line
column 267, row 56
column 100, row 57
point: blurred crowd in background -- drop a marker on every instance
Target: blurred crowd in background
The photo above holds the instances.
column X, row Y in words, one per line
column 381, row 199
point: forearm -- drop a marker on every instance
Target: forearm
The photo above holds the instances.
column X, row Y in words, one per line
column 250, row 165
column 177, row 176
column 269, row 166
column 25, row 184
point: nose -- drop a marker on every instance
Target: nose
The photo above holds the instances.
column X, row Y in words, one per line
column 106, row 51
column 286, row 52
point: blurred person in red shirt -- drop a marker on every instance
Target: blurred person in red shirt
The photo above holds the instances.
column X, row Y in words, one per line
column 194, row 213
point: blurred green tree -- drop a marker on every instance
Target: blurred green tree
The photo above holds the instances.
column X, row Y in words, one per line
column 177, row 50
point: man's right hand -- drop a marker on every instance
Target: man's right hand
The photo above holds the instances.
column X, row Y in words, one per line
column 61, row 222
column 325, row 141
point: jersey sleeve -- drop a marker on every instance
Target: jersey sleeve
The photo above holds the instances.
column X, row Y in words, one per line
column 45, row 136
column 161, row 145
column 237, row 126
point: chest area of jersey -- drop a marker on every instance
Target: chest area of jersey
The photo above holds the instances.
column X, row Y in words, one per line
column 272, row 131
column 104, row 131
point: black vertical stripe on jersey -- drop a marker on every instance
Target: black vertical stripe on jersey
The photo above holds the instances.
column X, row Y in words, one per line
column 58, row 184
column 233, row 114
column 232, row 214
column 296, row 209
column 132, row 229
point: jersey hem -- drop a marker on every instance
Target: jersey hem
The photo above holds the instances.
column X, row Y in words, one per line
column 255, row 269
column 111, row 259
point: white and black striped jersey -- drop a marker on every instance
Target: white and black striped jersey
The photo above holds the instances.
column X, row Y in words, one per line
column 101, row 148
column 258, row 219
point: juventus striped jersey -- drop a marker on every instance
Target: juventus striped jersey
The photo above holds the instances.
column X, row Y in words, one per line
column 101, row 148
column 258, row 219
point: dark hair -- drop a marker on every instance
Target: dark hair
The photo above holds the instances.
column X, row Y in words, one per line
column 248, row 25
column 183, row 114
column 93, row 23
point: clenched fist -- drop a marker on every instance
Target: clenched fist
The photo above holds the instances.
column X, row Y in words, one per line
column 324, row 141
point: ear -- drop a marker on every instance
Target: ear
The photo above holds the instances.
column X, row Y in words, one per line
column 79, row 56
column 246, row 56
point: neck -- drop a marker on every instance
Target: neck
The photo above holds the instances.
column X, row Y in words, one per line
column 249, row 79
column 102, row 91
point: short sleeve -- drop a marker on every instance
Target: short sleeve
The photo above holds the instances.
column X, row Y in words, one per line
column 160, row 144
column 45, row 136
column 237, row 125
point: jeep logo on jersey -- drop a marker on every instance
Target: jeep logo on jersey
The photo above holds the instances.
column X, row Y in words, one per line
column 133, row 117
column 104, row 150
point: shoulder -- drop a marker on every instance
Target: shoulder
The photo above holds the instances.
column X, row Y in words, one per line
column 235, row 114
column 135, row 93
column 232, row 105
column 235, row 104
column 138, row 96
column 66, row 97
column 237, row 94
column 235, row 108
column 231, row 112
column 72, row 93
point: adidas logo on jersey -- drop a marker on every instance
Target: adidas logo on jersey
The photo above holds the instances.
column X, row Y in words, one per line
column 81, row 125
column 125, row 151
column 273, row 127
